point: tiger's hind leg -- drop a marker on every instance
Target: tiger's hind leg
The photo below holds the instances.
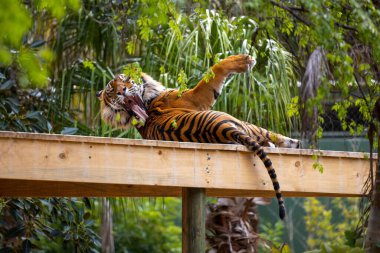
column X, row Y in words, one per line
column 265, row 137
column 282, row 141
column 205, row 93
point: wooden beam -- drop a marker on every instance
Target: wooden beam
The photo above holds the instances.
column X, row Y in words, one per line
column 193, row 220
column 58, row 165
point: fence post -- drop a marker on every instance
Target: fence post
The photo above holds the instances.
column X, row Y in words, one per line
column 193, row 220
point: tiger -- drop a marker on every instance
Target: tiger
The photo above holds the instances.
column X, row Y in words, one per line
column 187, row 116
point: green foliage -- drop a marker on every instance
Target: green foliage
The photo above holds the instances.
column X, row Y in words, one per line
column 88, row 64
column 136, row 122
column 15, row 22
column 58, row 8
column 348, row 31
column 182, row 82
column 22, row 111
column 317, row 165
column 133, row 71
column 31, row 59
column 174, row 124
column 332, row 248
column 272, row 232
column 41, row 223
column 293, row 107
column 150, row 226
column 283, row 249
column 208, row 75
column 319, row 223
column 208, row 36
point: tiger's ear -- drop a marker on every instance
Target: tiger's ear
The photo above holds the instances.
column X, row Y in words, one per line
column 99, row 94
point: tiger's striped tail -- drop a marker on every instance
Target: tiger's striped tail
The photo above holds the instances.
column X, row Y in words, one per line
column 252, row 145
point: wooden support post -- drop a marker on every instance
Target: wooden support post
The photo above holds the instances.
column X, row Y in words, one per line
column 193, row 220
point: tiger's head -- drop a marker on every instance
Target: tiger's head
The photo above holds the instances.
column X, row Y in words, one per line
column 121, row 102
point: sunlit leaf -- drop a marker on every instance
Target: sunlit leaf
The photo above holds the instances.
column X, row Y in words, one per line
column 285, row 249
column 14, row 22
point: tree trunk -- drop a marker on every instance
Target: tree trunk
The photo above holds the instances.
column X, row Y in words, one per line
column 372, row 240
column 106, row 230
column 372, row 243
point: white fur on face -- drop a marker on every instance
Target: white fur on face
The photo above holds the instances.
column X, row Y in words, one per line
column 110, row 116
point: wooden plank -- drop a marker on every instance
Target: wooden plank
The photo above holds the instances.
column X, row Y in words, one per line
column 193, row 220
column 57, row 165
column 40, row 188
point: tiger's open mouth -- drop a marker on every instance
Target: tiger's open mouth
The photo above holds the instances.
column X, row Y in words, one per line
column 134, row 105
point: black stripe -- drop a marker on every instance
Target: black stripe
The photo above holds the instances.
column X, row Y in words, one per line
column 170, row 130
column 279, row 195
column 212, row 116
column 216, row 94
column 205, row 120
column 263, row 154
column 184, row 124
column 162, row 130
column 272, row 173
column 282, row 212
column 180, row 126
column 197, row 129
column 221, row 123
column 268, row 163
column 190, row 127
column 255, row 147
column 276, row 186
column 155, row 132
column 215, row 130
column 204, row 125
column 212, row 128
column 226, row 130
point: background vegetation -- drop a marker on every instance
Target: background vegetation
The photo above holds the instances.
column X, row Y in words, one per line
column 54, row 56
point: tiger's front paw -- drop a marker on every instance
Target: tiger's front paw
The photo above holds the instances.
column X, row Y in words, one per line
column 236, row 64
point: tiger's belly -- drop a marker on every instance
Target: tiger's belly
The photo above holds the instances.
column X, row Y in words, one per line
column 196, row 126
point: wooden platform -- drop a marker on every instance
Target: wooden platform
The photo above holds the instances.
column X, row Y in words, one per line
column 57, row 165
